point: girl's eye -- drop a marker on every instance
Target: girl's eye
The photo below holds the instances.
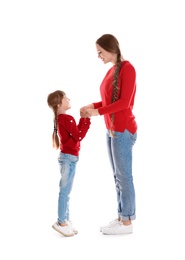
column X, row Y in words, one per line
column 99, row 53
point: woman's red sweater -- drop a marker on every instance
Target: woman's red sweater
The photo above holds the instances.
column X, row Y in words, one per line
column 122, row 108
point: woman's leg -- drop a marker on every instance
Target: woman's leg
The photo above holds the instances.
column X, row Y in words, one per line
column 110, row 154
column 122, row 146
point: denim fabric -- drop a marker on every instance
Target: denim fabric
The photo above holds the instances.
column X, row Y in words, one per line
column 67, row 165
column 120, row 155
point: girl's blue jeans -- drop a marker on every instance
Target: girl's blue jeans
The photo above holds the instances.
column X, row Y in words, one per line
column 120, row 155
column 67, row 165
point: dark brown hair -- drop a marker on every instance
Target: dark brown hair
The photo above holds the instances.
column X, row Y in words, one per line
column 110, row 44
column 53, row 100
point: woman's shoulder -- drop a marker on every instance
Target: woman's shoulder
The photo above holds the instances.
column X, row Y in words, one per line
column 127, row 65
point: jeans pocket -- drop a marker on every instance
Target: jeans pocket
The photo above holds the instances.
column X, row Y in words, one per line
column 133, row 137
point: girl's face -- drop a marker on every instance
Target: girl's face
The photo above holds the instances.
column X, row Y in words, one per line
column 64, row 106
column 106, row 56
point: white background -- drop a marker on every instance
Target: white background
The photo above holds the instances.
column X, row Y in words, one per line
column 50, row 45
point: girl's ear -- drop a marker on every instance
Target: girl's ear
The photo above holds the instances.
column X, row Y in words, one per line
column 59, row 105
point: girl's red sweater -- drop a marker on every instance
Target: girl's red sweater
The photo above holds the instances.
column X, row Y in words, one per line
column 122, row 108
column 71, row 134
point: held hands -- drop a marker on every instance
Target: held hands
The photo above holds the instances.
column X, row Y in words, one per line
column 88, row 111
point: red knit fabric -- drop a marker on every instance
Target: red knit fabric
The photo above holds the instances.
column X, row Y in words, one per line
column 122, row 108
column 71, row 134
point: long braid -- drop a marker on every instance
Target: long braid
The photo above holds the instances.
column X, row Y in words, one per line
column 54, row 99
column 55, row 138
column 115, row 87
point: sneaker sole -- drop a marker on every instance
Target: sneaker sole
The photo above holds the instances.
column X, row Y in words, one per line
column 66, row 235
column 117, row 233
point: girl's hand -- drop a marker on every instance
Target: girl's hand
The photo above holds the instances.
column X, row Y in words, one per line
column 83, row 110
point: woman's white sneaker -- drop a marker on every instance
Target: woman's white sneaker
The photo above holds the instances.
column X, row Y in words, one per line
column 66, row 231
column 118, row 229
column 112, row 223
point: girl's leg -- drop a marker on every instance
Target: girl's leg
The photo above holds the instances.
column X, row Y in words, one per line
column 67, row 164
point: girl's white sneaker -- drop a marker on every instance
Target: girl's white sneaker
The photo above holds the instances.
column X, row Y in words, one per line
column 74, row 229
column 66, row 231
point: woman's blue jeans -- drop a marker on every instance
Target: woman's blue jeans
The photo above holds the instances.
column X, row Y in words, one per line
column 67, row 165
column 120, row 155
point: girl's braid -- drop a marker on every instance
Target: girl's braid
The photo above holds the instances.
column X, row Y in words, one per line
column 55, row 121
column 54, row 99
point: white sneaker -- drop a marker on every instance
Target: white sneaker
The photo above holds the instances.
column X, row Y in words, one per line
column 74, row 229
column 64, row 230
column 115, row 221
column 118, row 229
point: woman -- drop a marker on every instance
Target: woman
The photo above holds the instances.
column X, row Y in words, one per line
column 117, row 91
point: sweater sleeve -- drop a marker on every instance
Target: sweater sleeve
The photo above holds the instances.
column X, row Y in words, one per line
column 72, row 130
column 78, row 132
column 83, row 127
column 97, row 104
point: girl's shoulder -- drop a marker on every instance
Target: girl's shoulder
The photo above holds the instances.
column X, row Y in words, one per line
column 65, row 117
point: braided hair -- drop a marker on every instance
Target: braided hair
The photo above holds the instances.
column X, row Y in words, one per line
column 110, row 44
column 53, row 100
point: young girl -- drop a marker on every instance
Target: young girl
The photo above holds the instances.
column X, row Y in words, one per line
column 67, row 136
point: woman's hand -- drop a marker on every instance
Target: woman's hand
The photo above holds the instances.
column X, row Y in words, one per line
column 84, row 112
column 92, row 112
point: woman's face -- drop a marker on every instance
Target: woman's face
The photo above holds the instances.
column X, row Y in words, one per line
column 105, row 56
